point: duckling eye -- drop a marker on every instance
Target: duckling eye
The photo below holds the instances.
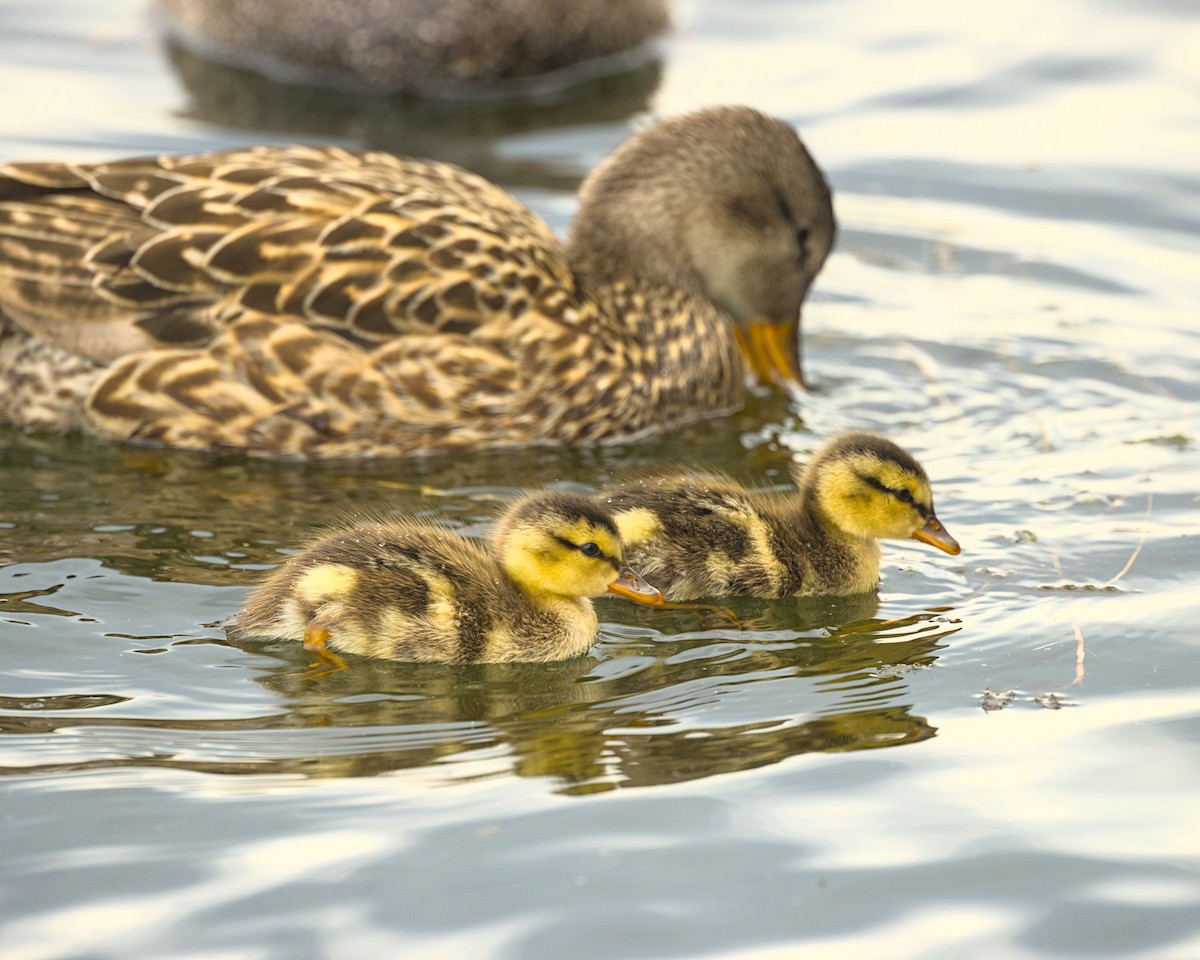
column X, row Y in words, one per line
column 904, row 495
column 590, row 549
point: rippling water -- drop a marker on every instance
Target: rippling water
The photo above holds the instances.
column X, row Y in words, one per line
column 995, row 757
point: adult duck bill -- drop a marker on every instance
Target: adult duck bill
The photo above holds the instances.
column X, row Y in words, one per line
column 771, row 350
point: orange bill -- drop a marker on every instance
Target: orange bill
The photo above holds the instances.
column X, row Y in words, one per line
column 772, row 350
column 632, row 587
column 934, row 534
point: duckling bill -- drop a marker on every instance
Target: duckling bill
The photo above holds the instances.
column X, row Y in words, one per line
column 707, row 536
column 403, row 591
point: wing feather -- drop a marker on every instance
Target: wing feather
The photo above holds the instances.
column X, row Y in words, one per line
column 369, row 245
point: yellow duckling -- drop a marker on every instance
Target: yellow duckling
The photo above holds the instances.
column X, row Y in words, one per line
column 433, row 47
column 402, row 591
column 316, row 302
column 708, row 536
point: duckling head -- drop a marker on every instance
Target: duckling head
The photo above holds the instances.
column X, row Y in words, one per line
column 869, row 487
column 727, row 203
column 562, row 545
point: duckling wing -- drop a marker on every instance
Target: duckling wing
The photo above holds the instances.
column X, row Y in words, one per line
column 696, row 537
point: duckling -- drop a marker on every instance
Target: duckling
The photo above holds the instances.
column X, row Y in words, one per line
column 403, row 591
column 438, row 47
column 314, row 302
column 702, row 536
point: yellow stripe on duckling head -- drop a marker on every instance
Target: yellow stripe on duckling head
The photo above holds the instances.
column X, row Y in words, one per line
column 560, row 545
column 582, row 531
column 895, row 477
column 858, row 495
column 541, row 566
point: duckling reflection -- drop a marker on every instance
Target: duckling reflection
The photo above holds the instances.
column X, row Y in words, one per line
column 627, row 718
column 705, row 536
column 402, row 591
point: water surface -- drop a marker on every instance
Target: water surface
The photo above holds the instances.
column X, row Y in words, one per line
column 994, row 757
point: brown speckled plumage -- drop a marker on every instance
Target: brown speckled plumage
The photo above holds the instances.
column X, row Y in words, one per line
column 316, row 302
column 706, row 535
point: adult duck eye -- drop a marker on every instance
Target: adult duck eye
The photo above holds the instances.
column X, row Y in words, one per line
column 802, row 245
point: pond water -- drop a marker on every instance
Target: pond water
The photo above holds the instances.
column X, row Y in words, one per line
column 998, row 756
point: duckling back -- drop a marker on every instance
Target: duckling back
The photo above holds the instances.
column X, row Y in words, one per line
column 412, row 593
column 703, row 536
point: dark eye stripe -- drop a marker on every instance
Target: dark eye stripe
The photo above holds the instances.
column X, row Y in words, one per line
column 903, row 495
column 599, row 556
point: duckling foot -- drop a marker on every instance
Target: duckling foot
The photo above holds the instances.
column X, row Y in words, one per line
column 316, row 641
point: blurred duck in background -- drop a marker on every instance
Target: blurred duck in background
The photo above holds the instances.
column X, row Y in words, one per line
column 425, row 47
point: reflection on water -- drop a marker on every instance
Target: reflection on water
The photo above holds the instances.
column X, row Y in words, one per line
column 208, row 519
column 658, row 705
column 464, row 132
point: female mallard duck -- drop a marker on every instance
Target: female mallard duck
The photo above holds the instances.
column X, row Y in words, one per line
column 708, row 536
column 317, row 302
column 413, row 46
column 402, row 591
